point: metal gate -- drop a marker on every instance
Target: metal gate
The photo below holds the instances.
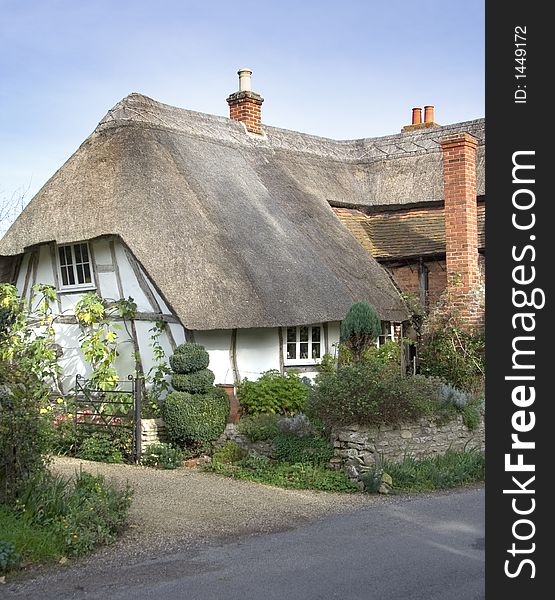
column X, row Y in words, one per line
column 116, row 411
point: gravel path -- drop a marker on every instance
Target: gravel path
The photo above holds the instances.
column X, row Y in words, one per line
column 185, row 505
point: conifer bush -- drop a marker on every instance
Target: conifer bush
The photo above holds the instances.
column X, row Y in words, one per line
column 360, row 328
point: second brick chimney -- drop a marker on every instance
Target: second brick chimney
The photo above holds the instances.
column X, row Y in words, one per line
column 245, row 105
column 461, row 225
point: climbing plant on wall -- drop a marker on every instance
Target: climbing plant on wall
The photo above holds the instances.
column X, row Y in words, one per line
column 99, row 339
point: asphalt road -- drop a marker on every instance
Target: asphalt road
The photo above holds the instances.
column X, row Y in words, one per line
column 421, row 548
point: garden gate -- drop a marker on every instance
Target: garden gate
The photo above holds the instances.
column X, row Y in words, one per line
column 116, row 411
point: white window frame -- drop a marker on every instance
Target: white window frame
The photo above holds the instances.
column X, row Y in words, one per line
column 288, row 362
column 388, row 336
column 75, row 286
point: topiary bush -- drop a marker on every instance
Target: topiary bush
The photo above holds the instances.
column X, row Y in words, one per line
column 195, row 420
column 196, row 413
column 198, row 382
column 189, row 358
column 360, row 328
column 273, row 393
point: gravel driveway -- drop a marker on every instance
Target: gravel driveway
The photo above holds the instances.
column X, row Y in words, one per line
column 185, row 505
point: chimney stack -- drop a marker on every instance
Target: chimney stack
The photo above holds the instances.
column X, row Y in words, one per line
column 461, row 225
column 417, row 119
column 245, row 105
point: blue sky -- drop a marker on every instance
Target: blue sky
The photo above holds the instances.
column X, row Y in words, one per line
column 344, row 70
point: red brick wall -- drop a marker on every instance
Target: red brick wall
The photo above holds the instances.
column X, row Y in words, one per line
column 406, row 277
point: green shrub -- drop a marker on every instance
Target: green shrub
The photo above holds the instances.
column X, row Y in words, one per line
column 162, row 456
column 440, row 472
column 367, row 394
column 273, row 393
column 307, row 449
column 24, row 432
column 102, row 447
column 189, row 358
column 195, row 420
column 9, row 558
column 360, row 328
column 457, row 401
column 79, row 513
column 229, row 453
column 472, row 414
column 259, row 428
column 296, row 476
column 198, row 382
column 455, row 355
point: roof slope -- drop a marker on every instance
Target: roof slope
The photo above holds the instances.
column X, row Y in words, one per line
column 235, row 231
column 403, row 233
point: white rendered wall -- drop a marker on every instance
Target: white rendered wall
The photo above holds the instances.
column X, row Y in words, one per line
column 218, row 345
column 257, row 351
column 67, row 334
column 333, row 337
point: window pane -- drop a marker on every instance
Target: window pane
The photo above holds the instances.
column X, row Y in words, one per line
column 291, row 334
column 71, row 276
column 61, row 254
column 316, row 350
column 80, row 274
column 315, row 334
column 291, row 350
column 87, row 270
column 77, row 251
column 303, row 350
column 304, row 334
column 84, row 252
column 69, row 259
column 65, row 280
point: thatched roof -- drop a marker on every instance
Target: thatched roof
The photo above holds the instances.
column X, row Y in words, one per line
column 234, row 230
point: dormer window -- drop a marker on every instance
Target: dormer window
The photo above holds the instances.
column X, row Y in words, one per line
column 75, row 267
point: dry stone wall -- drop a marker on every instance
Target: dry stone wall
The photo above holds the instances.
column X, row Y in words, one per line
column 358, row 449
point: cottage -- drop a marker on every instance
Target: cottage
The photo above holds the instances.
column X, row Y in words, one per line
column 237, row 235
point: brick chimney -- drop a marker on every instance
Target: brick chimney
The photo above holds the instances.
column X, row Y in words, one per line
column 417, row 122
column 245, row 105
column 461, row 225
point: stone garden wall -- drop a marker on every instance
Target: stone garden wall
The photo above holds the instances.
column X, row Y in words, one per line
column 358, row 449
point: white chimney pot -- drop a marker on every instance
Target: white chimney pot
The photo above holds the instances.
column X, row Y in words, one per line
column 244, row 80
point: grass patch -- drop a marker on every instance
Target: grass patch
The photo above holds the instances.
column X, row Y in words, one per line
column 442, row 472
column 32, row 543
column 55, row 517
column 296, row 476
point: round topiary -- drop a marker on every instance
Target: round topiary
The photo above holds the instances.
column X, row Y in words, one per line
column 195, row 420
column 189, row 358
column 194, row 383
